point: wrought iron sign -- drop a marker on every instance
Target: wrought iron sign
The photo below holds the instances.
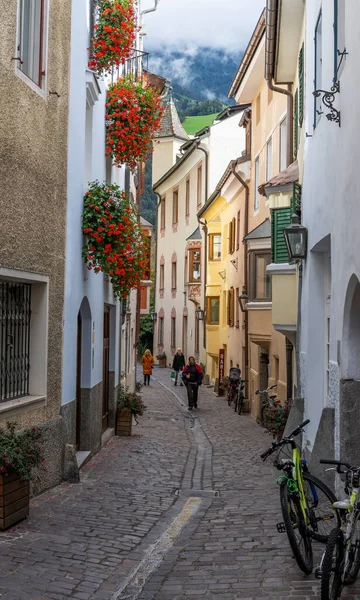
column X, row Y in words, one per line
column 328, row 99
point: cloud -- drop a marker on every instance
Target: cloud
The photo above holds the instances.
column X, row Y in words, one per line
column 226, row 24
column 208, row 94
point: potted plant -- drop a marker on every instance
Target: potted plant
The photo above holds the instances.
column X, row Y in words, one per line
column 162, row 359
column 20, row 453
column 129, row 404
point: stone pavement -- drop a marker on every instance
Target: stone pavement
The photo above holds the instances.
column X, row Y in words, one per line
column 182, row 509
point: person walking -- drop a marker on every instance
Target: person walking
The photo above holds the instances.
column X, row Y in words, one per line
column 178, row 364
column 192, row 375
column 147, row 362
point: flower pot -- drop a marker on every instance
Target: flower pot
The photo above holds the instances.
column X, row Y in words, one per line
column 124, row 422
column 162, row 363
column 14, row 500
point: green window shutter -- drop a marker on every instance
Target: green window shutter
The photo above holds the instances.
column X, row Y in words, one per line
column 301, row 86
column 280, row 218
column 296, row 123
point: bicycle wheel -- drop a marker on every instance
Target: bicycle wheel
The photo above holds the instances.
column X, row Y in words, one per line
column 323, row 517
column 299, row 538
column 230, row 396
column 353, row 565
column 240, row 403
column 331, row 584
column 236, row 402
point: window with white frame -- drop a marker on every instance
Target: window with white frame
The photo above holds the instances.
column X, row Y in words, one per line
column 257, row 183
column 31, row 39
column 268, row 159
column 283, row 145
column 318, row 69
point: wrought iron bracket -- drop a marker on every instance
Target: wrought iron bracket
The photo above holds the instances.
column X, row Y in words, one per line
column 328, row 98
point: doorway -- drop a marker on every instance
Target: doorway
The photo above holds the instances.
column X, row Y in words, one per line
column 106, row 363
column 78, row 379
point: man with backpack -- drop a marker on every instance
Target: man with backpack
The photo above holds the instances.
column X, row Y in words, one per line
column 192, row 376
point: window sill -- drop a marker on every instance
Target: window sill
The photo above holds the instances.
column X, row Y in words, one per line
column 256, row 305
column 26, row 403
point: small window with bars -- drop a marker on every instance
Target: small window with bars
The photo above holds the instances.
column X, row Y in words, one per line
column 15, row 314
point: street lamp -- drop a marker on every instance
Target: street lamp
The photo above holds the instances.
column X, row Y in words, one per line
column 200, row 314
column 243, row 299
column 296, row 239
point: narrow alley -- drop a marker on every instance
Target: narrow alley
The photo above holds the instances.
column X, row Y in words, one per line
column 184, row 508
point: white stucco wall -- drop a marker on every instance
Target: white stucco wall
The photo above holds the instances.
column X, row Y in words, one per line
column 330, row 196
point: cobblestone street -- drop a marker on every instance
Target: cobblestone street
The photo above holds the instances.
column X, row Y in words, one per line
column 184, row 508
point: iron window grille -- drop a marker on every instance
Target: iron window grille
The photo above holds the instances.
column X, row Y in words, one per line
column 15, row 315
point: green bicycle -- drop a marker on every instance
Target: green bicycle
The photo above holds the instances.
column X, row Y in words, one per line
column 340, row 563
column 306, row 502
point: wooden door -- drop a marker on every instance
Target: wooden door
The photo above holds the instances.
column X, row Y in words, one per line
column 78, row 379
column 106, row 356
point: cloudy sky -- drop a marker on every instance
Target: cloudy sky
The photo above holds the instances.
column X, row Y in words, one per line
column 217, row 23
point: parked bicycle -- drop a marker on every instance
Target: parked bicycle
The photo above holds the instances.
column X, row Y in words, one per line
column 306, row 502
column 240, row 397
column 267, row 400
column 236, row 387
column 340, row 563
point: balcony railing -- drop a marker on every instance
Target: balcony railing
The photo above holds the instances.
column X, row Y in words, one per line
column 136, row 65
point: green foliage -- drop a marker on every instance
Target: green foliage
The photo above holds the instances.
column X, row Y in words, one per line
column 131, row 401
column 194, row 124
column 20, row 451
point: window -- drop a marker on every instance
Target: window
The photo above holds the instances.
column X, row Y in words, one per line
column 215, row 246
column 175, row 206
column 212, row 310
column 260, row 280
column 238, row 231
column 296, row 123
column 161, row 331
column 31, row 40
column 194, row 270
column 173, row 275
column 318, row 69
column 187, row 198
column 162, row 213
column 15, row 312
column 233, row 232
column 268, row 174
column 199, row 185
column 257, row 183
column 339, row 37
column 258, row 109
column 231, row 307
column 173, row 332
column 301, row 86
column 162, row 277
column 282, row 149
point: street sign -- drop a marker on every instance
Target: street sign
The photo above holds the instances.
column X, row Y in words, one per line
column 221, row 370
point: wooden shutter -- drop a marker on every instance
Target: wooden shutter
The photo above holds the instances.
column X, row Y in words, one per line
column 301, row 86
column 296, row 123
column 280, row 218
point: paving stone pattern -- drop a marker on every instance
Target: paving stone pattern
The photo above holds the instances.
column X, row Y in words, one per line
column 86, row 540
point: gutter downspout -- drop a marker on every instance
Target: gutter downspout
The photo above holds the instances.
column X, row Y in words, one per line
column 247, row 195
column 270, row 41
column 204, row 224
column 156, row 257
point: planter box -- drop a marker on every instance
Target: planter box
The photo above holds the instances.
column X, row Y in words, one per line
column 162, row 362
column 124, row 422
column 14, row 500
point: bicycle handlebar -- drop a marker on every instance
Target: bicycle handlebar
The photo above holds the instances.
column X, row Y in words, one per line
column 285, row 440
column 331, row 461
column 271, row 387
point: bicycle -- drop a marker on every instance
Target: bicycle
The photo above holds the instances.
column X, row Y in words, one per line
column 233, row 383
column 239, row 400
column 267, row 401
column 340, row 562
column 306, row 502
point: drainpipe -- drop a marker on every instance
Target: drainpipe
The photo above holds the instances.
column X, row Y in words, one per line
column 142, row 33
column 204, row 224
column 270, row 43
column 247, row 194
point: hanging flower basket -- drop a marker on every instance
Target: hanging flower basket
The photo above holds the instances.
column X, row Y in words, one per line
column 114, row 34
column 116, row 244
column 133, row 116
